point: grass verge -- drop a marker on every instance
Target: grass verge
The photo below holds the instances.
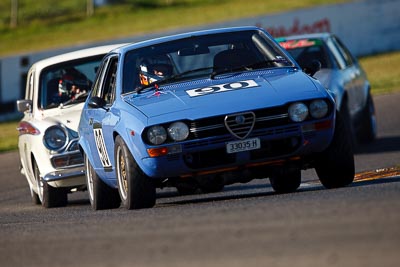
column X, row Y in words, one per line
column 8, row 136
column 49, row 24
column 383, row 72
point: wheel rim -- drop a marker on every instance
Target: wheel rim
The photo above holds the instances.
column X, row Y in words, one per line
column 39, row 182
column 32, row 192
column 121, row 173
column 89, row 179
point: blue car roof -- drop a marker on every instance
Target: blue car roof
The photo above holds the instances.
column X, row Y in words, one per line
column 182, row 36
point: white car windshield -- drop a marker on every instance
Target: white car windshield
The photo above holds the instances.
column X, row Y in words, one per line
column 67, row 81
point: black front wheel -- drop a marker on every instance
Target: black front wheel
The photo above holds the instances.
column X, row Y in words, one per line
column 335, row 166
column 135, row 188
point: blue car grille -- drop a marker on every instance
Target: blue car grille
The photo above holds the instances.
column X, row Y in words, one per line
column 223, row 125
column 210, row 133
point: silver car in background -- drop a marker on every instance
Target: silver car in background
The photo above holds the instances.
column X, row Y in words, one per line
column 340, row 73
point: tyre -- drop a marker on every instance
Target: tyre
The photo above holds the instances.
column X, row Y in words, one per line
column 335, row 166
column 285, row 180
column 49, row 196
column 348, row 123
column 101, row 196
column 135, row 187
column 368, row 127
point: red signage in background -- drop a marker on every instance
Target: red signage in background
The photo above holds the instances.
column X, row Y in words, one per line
column 322, row 25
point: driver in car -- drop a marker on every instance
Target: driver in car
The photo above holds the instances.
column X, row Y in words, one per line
column 69, row 86
column 152, row 72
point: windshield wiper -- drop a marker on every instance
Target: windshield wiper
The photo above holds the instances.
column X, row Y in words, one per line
column 171, row 78
column 219, row 71
column 246, row 67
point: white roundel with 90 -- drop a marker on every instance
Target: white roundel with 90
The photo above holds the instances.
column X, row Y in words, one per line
column 219, row 88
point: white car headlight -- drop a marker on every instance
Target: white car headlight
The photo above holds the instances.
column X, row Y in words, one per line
column 298, row 112
column 178, row 131
column 318, row 109
column 157, row 134
column 55, row 138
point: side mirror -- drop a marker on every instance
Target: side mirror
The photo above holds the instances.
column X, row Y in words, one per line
column 24, row 105
column 97, row 102
column 313, row 67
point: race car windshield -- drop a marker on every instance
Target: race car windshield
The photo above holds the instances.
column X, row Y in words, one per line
column 204, row 56
column 304, row 51
column 68, row 82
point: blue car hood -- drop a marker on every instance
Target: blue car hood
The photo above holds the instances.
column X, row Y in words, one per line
column 233, row 93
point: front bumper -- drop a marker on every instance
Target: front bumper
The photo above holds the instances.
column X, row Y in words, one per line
column 65, row 174
column 278, row 144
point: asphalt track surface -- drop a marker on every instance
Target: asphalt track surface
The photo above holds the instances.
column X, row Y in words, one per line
column 245, row 225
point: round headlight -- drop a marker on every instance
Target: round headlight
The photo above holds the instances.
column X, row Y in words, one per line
column 318, row 109
column 298, row 112
column 157, row 134
column 55, row 138
column 178, row 131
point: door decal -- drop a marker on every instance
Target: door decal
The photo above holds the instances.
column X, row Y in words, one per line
column 101, row 147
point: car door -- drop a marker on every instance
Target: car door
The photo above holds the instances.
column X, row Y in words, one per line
column 342, row 77
column 356, row 76
column 102, row 121
column 26, row 130
column 347, row 75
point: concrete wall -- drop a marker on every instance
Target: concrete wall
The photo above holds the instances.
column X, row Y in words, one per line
column 365, row 26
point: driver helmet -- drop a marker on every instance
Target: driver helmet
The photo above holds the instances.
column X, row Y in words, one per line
column 64, row 85
column 155, row 69
column 72, row 82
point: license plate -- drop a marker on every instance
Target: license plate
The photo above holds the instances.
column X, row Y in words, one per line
column 243, row 145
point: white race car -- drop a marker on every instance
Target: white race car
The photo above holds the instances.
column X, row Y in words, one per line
column 48, row 140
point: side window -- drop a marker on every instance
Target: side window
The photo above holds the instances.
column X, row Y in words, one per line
column 104, row 86
column 29, row 86
column 340, row 61
column 99, row 78
column 344, row 51
column 108, row 90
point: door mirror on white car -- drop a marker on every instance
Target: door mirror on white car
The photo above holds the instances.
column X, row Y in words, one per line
column 24, row 105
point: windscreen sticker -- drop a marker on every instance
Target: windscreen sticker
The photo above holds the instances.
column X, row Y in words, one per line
column 220, row 88
column 292, row 44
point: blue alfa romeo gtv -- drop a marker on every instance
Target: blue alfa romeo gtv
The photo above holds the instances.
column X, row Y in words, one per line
column 201, row 110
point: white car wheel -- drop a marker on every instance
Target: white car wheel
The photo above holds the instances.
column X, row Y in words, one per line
column 34, row 197
column 49, row 196
column 39, row 182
